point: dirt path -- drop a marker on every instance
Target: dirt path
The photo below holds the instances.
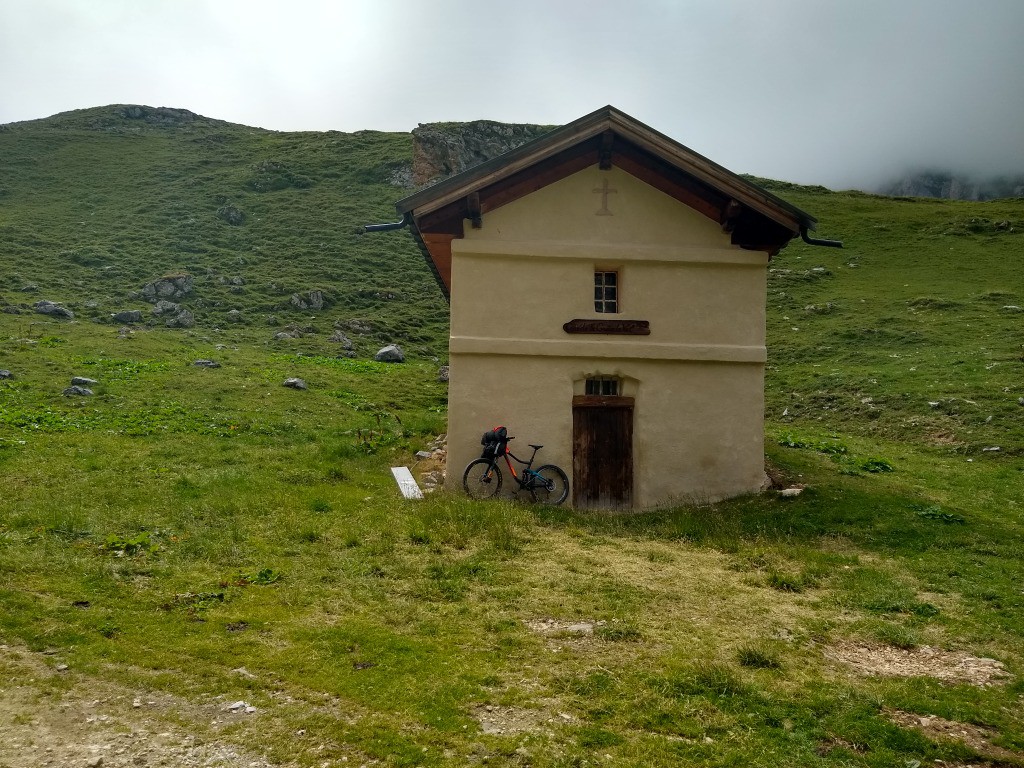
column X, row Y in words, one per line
column 57, row 718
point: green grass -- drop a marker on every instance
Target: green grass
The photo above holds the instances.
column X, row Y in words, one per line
column 185, row 521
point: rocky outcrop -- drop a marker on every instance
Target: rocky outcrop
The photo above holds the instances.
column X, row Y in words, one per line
column 168, row 287
column 310, row 300
column 950, row 186
column 444, row 149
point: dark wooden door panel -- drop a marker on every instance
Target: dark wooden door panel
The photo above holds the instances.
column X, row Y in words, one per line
column 602, row 456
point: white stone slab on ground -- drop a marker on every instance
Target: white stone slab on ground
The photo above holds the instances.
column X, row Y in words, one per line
column 406, row 483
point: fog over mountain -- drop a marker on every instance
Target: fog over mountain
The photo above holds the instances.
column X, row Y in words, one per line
column 852, row 94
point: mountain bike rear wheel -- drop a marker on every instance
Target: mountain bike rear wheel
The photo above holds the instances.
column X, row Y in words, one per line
column 552, row 487
column 482, row 479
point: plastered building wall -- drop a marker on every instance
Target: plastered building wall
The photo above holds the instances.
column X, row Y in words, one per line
column 697, row 379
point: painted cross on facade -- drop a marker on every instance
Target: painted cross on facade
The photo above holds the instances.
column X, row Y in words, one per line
column 604, row 190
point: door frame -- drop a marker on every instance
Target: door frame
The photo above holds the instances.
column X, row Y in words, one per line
column 604, row 402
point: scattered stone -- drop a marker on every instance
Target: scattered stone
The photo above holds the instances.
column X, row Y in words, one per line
column 442, row 374
column 362, row 327
column 206, row 364
column 83, row 381
column 283, row 336
column 165, row 307
column 136, row 703
column 124, row 332
column 5, row 374
column 1012, row 308
column 62, row 667
column 234, row 316
column 232, row 215
column 183, row 319
column 338, row 337
column 789, row 493
column 77, row 391
column 244, row 673
column 934, row 403
column 423, row 454
column 237, row 706
column 1020, row 401
column 53, row 310
column 168, row 287
column 127, row 316
column 991, row 449
column 295, row 383
column 29, row 287
column 392, row 353
column 94, row 762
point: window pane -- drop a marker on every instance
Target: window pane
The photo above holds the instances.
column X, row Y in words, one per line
column 609, row 293
column 598, row 293
column 609, row 278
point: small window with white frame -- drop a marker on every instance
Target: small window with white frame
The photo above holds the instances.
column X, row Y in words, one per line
column 606, row 291
column 603, row 385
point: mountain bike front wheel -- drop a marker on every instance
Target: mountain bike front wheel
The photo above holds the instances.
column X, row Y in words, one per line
column 482, row 479
column 551, row 486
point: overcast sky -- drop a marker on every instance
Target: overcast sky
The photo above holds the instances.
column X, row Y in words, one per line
column 815, row 91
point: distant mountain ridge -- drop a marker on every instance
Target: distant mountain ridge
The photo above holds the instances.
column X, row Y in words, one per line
column 950, row 186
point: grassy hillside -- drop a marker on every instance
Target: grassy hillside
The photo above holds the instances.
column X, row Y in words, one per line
column 98, row 202
column 191, row 537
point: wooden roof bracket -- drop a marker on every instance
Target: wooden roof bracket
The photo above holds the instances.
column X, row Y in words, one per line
column 730, row 215
column 473, row 212
column 605, row 152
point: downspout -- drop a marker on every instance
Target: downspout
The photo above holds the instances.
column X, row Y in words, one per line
column 405, row 222
column 816, row 241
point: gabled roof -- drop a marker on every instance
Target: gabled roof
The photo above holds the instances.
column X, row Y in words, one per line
column 756, row 219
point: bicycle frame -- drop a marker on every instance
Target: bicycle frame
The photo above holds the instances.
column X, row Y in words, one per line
column 528, row 473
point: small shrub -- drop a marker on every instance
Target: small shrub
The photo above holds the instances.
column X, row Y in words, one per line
column 898, row 636
column 261, row 577
column 618, row 633
column 320, row 505
column 876, row 465
column 785, row 582
column 137, row 545
column 757, row 658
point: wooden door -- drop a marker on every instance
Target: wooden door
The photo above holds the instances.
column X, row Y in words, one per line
column 602, row 452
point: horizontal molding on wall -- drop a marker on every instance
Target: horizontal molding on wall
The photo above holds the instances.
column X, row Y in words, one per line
column 633, row 349
column 609, row 252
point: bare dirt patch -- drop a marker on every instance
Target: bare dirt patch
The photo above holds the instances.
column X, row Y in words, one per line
column 496, row 719
column 556, row 628
column 937, row 728
column 925, row 661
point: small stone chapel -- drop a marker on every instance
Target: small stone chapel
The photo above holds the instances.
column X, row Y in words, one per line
column 607, row 289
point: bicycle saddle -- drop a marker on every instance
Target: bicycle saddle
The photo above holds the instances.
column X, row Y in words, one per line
column 538, row 447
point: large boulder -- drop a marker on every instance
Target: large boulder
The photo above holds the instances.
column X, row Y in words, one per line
column 77, row 391
column 392, row 353
column 5, row 374
column 53, row 310
column 127, row 316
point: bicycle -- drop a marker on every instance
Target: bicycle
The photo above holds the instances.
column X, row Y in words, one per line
column 547, row 484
